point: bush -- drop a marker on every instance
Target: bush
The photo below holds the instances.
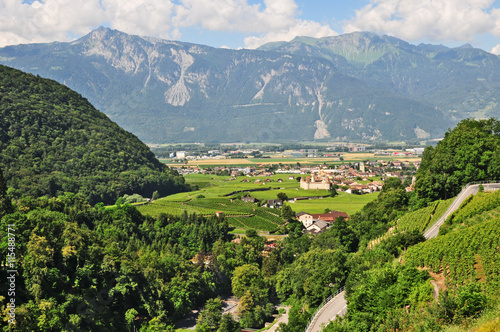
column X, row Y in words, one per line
column 135, row 198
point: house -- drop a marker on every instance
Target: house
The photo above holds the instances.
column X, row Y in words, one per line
column 317, row 227
column 330, row 216
column 275, row 203
column 361, row 188
column 305, row 218
column 249, row 199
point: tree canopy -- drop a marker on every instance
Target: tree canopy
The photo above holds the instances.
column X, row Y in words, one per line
column 470, row 152
column 54, row 141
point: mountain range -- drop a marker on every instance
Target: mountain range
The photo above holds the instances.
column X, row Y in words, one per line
column 358, row 86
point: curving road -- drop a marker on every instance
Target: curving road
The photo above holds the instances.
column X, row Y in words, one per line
column 338, row 305
column 433, row 231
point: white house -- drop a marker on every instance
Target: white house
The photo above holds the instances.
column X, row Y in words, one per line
column 317, row 227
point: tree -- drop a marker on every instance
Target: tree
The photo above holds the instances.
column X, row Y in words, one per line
column 392, row 182
column 342, row 230
column 130, row 316
column 287, row 212
column 210, row 317
column 5, row 202
column 251, row 233
column 333, row 192
column 228, row 324
column 248, row 277
column 470, row 152
column 282, row 196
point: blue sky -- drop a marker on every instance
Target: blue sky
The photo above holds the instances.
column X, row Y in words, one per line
column 251, row 23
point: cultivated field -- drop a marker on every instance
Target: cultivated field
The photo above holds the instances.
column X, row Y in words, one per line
column 286, row 159
column 210, row 199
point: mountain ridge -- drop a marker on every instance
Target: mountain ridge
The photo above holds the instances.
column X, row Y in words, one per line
column 169, row 91
column 462, row 81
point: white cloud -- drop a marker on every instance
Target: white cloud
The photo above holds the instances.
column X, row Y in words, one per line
column 236, row 15
column 47, row 21
column 140, row 17
column 435, row 20
column 301, row 28
column 61, row 20
column 496, row 50
column 275, row 20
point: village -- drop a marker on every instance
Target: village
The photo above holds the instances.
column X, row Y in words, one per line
column 351, row 178
column 357, row 178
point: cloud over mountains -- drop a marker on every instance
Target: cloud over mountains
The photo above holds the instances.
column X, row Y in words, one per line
column 256, row 21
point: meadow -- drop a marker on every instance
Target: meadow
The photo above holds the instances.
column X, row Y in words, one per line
column 210, row 199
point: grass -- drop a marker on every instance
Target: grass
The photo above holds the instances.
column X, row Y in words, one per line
column 244, row 215
column 239, row 214
column 256, row 222
column 487, row 322
column 343, row 202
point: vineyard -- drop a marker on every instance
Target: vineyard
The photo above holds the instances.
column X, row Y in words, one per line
column 210, row 198
column 420, row 219
column 239, row 214
column 475, row 205
column 473, row 254
column 417, row 220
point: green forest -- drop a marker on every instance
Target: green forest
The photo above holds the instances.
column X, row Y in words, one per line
column 54, row 141
column 468, row 153
column 72, row 264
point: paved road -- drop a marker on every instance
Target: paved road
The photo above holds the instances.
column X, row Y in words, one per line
column 282, row 319
column 335, row 307
column 466, row 192
column 338, row 305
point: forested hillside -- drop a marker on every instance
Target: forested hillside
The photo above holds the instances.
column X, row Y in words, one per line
column 470, row 152
column 82, row 268
column 451, row 280
column 95, row 269
column 54, row 141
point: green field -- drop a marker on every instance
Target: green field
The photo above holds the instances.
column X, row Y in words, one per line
column 343, row 202
column 212, row 186
column 243, row 215
column 239, row 214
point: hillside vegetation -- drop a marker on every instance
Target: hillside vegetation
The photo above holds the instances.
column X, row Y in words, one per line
column 421, row 219
column 462, row 263
column 83, row 268
column 54, row 141
column 470, row 152
column 114, row 269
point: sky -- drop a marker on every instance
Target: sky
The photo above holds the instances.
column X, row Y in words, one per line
column 252, row 23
